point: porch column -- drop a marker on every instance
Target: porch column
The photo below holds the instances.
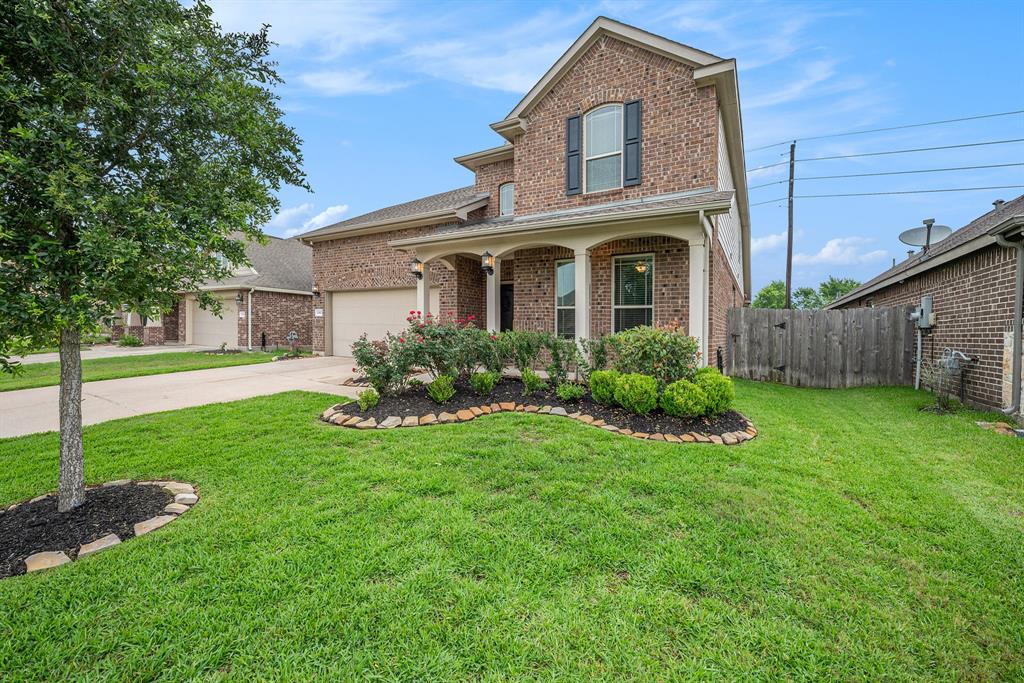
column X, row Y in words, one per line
column 423, row 291
column 493, row 286
column 699, row 296
column 582, row 295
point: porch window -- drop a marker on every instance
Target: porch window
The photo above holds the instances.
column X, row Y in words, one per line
column 565, row 298
column 633, row 291
column 602, row 141
column 507, row 199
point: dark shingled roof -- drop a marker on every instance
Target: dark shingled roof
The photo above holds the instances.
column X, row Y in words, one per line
column 279, row 264
column 976, row 228
column 444, row 201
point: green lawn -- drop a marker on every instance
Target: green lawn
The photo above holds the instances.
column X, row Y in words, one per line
column 855, row 539
column 48, row 374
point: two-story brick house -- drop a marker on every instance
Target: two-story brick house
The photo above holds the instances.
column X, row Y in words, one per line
column 619, row 199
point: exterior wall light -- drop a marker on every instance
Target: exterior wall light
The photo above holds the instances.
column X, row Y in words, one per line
column 487, row 262
column 239, row 299
column 641, row 267
column 416, row 268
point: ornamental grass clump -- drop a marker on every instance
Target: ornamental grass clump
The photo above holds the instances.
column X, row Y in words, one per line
column 602, row 386
column 442, row 389
column 637, row 393
column 718, row 388
column 664, row 352
column 684, row 399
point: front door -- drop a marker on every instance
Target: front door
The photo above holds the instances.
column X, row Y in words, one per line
column 507, row 304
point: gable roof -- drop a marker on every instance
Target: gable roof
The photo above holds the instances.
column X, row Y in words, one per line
column 280, row 264
column 436, row 208
column 971, row 237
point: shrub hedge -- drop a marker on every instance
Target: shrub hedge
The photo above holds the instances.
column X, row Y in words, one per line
column 637, row 393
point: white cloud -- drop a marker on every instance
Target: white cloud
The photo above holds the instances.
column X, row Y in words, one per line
column 842, row 251
column 329, row 215
column 296, row 219
column 813, row 75
column 286, row 218
column 348, row 82
column 767, row 243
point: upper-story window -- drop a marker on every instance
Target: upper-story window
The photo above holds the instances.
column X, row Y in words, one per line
column 507, row 199
column 602, row 142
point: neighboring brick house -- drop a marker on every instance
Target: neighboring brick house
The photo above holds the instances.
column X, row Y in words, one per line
column 618, row 199
column 971, row 277
column 260, row 304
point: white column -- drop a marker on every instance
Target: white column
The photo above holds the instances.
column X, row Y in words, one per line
column 699, row 296
column 582, row 295
column 423, row 292
column 493, row 286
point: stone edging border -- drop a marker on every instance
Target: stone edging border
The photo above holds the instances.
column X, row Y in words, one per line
column 185, row 497
column 336, row 415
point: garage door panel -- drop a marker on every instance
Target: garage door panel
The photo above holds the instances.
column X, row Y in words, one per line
column 373, row 312
column 209, row 330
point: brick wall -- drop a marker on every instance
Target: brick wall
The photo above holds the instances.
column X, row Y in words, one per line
column 277, row 314
column 489, row 178
column 680, row 128
column 170, row 322
column 725, row 294
column 973, row 303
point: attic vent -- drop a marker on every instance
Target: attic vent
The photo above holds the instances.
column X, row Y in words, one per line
column 998, row 203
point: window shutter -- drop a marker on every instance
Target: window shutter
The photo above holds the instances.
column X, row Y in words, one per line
column 631, row 143
column 573, row 155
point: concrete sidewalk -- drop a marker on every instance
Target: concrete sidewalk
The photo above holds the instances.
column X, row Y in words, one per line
column 113, row 351
column 35, row 410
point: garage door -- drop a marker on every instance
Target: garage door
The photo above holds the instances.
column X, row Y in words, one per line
column 374, row 312
column 209, row 330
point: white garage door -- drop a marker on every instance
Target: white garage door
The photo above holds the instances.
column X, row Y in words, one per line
column 209, row 330
column 374, row 312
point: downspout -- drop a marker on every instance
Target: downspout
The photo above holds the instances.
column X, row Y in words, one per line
column 1018, row 332
column 249, row 318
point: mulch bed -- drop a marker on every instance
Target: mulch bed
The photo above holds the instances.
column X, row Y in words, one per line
column 36, row 526
column 416, row 401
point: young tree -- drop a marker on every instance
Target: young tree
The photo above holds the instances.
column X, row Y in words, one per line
column 772, row 295
column 805, row 298
column 140, row 148
column 836, row 287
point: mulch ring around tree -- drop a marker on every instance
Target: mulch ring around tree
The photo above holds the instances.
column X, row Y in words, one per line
column 34, row 535
column 414, row 408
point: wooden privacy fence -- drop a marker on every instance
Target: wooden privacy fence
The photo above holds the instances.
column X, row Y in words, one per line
column 846, row 348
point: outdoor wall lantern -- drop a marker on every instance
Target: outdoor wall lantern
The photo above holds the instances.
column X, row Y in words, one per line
column 487, row 262
column 416, row 268
column 239, row 299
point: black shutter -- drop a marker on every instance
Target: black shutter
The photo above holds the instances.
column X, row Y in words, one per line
column 573, row 156
column 631, row 143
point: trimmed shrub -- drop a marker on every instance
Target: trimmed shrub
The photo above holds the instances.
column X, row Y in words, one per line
column 684, row 399
column 483, row 382
column 442, row 389
column 564, row 354
column 665, row 353
column 570, row 391
column 637, row 393
column 532, row 382
column 129, row 340
column 368, row 399
column 521, row 347
column 602, row 386
column 719, row 390
column 386, row 363
column 593, row 357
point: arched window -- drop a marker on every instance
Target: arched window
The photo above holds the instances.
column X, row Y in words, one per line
column 602, row 144
column 507, row 199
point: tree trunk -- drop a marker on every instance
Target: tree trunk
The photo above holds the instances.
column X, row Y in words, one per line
column 71, row 492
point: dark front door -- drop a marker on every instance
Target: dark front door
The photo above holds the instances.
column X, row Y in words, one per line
column 507, row 304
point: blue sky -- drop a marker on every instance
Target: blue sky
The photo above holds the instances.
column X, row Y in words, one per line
column 384, row 94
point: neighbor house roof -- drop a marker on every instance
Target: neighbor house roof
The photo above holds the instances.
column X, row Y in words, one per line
column 971, row 237
column 436, row 208
column 280, row 265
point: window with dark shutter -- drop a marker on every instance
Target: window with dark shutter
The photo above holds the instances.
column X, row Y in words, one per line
column 631, row 144
column 573, row 161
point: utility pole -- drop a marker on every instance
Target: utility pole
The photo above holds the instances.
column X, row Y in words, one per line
column 789, row 242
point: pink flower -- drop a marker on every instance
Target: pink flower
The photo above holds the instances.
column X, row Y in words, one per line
column 494, row 337
column 470, row 317
column 353, row 369
column 412, row 312
column 401, row 340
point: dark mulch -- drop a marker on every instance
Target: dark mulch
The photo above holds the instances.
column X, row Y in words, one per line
column 36, row 527
column 416, row 401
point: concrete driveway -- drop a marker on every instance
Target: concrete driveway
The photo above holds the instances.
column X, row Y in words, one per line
column 35, row 410
column 114, row 351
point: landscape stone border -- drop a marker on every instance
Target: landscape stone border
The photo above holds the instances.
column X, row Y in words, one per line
column 185, row 497
column 336, row 415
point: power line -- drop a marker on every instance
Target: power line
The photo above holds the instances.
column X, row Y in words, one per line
column 893, row 151
column 873, row 194
column 889, row 128
column 881, row 173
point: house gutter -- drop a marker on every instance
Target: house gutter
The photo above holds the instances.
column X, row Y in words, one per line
column 1018, row 330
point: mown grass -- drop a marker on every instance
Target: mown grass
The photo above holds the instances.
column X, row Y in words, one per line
column 94, row 369
column 855, row 539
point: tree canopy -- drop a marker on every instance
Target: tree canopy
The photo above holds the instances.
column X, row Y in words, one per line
column 773, row 295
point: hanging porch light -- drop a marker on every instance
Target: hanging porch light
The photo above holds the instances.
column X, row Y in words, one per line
column 416, row 268
column 487, row 262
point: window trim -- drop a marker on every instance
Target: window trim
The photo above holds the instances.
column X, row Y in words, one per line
column 615, row 306
column 583, row 148
column 512, row 209
column 560, row 262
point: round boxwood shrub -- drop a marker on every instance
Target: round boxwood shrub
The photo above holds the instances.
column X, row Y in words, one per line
column 602, row 386
column 719, row 390
column 684, row 399
column 637, row 393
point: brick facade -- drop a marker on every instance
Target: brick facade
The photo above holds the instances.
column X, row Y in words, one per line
column 725, row 293
column 489, row 178
column 276, row 314
column 973, row 303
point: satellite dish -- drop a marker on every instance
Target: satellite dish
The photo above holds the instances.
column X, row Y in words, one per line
column 926, row 235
